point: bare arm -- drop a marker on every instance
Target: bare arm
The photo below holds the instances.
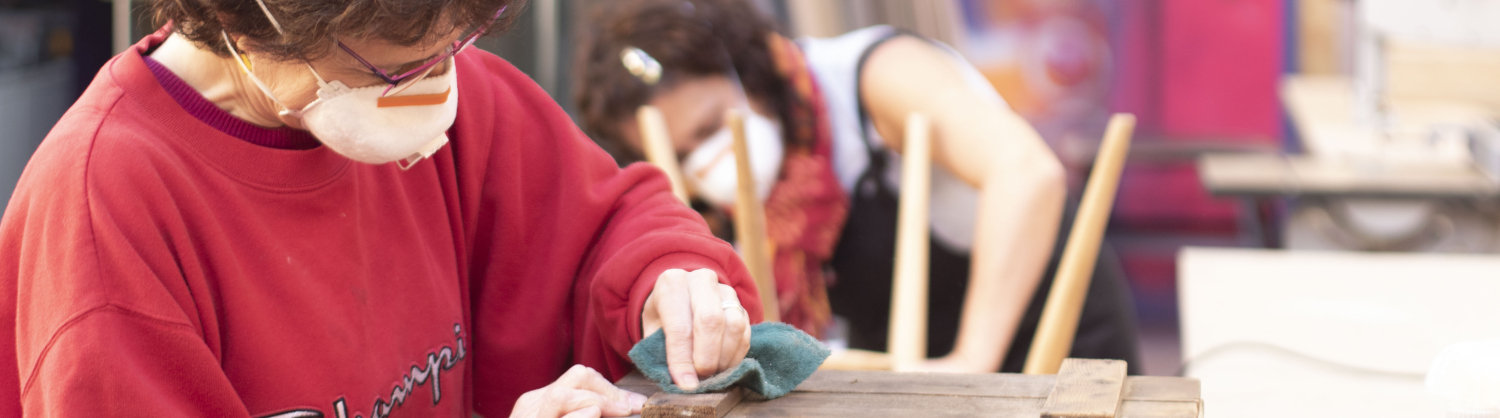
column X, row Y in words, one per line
column 1021, row 187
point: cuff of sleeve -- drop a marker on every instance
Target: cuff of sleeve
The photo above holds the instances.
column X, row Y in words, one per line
column 647, row 281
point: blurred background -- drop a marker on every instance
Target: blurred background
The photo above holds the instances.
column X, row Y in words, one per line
column 1331, row 164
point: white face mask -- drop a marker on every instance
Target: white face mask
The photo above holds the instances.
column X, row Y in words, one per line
column 711, row 171
column 365, row 126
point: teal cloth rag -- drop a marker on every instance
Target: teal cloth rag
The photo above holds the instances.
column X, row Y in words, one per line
column 780, row 358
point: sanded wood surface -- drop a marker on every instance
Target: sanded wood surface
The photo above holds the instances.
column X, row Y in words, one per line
column 705, row 405
column 750, row 222
column 1059, row 322
column 837, row 393
column 907, row 342
column 1086, row 388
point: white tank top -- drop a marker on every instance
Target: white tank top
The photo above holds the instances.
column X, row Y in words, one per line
column 835, row 65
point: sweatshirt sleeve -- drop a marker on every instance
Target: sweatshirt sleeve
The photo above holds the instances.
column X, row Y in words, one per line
column 96, row 329
column 563, row 245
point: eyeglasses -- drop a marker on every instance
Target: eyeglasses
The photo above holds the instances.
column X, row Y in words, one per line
column 406, row 78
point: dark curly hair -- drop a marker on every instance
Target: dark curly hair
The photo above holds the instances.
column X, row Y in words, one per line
column 690, row 38
column 312, row 25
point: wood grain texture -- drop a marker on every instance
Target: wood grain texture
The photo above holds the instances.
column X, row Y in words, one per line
column 907, row 341
column 750, row 222
column 1086, row 389
column 835, row 393
column 1059, row 322
column 705, row 405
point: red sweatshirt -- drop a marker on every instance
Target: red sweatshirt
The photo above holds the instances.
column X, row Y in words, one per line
column 151, row 265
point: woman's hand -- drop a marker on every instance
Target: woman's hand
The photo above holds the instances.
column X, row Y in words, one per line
column 579, row 393
column 706, row 328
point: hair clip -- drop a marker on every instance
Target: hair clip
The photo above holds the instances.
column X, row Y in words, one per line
column 641, row 65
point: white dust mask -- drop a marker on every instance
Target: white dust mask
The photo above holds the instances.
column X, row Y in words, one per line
column 361, row 124
column 711, row 168
column 370, row 127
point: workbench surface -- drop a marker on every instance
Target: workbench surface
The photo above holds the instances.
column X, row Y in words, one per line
column 1322, row 334
column 831, row 393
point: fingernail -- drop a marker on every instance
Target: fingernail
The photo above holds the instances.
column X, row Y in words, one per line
column 687, row 381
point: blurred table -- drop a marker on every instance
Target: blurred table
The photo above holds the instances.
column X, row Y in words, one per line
column 1317, row 334
column 1421, row 153
column 1263, row 174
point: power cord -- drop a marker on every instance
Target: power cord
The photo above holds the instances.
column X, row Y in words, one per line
column 1272, row 348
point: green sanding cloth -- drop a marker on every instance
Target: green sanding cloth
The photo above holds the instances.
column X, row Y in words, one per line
column 780, row 358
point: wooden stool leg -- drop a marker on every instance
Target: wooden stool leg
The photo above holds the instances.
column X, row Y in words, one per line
column 1059, row 323
column 907, row 341
column 659, row 150
column 750, row 222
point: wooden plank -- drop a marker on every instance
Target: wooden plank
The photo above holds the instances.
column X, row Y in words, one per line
column 750, row 223
column 1059, row 322
column 871, row 405
column 1318, row 31
column 1162, row 388
column 1086, row 388
column 907, row 342
column 832, row 393
column 1000, row 385
column 1260, row 174
column 704, row 405
column 1440, row 72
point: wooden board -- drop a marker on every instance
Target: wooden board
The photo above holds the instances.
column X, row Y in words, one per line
column 1264, row 174
column 836, row 393
column 706, row 405
column 1086, row 389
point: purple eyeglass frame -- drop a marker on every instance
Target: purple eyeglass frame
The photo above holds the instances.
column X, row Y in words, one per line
column 458, row 46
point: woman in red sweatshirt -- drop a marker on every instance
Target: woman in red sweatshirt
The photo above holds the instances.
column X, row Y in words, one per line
column 284, row 208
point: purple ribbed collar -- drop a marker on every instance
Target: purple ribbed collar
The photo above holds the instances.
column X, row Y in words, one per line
column 205, row 111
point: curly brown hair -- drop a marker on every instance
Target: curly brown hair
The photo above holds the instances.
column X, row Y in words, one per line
column 690, row 38
column 311, row 25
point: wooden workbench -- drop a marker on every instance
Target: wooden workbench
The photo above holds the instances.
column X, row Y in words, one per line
column 1264, row 175
column 831, row 393
column 1345, row 159
column 1321, row 334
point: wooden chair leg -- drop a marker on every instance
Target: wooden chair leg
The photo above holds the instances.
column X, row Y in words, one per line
column 907, row 341
column 1059, row 322
column 659, row 150
column 750, row 222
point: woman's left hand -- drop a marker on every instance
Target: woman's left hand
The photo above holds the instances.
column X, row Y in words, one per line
column 707, row 329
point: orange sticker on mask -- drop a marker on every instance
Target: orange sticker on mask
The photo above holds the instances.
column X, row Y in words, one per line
column 414, row 100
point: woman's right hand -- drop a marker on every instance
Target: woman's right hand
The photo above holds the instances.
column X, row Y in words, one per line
column 579, row 393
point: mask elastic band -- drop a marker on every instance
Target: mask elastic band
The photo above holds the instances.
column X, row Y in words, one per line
column 241, row 59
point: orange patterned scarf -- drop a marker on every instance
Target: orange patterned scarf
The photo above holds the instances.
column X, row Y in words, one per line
column 806, row 209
